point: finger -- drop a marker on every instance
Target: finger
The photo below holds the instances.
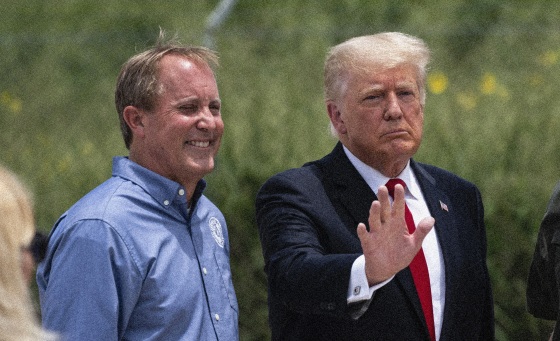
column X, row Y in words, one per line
column 362, row 231
column 374, row 218
column 398, row 202
column 363, row 235
column 385, row 203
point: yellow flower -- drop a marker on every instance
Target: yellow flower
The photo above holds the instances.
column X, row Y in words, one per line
column 536, row 79
column 489, row 84
column 64, row 163
column 87, row 148
column 548, row 58
column 467, row 101
column 12, row 103
column 15, row 105
column 437, row 82
column 5, row 98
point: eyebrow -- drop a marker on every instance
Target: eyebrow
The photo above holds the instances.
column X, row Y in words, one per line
column 379, row 87
column 195, row 99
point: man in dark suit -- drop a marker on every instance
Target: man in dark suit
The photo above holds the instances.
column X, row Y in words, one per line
column 344, row 260
column 543, row 283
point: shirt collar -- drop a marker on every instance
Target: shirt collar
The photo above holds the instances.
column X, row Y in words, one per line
column 162, row 189
column 375, row 179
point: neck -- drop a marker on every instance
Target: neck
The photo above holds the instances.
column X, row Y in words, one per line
column 393, row 172
column 389, row 168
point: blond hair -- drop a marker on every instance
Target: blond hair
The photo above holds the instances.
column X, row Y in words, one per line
column 374, row 53
column 17, row 227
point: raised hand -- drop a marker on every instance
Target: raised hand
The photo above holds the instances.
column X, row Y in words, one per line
column 388, row 246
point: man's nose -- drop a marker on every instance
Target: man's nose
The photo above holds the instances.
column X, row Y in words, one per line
column 206, row 120
column 392, row 108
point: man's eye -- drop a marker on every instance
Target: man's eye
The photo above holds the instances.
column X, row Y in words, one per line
column 407, row 95
column 188, row 108
column 373, row 97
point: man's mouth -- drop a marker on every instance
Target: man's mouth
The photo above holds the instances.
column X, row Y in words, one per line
column 395, row 132
column 200, row 144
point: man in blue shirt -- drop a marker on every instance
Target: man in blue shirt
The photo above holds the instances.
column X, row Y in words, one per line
column 145, row 256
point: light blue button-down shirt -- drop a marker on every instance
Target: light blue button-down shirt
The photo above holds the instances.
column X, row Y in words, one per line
column 129, row 262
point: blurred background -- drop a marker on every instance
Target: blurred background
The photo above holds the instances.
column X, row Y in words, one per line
column 492, row 114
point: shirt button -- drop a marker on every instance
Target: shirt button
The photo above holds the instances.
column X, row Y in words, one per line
column 217, row 317
column 205, row 271
column 166, row 202
column 181, row 192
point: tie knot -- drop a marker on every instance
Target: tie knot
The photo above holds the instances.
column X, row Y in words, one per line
column 391, row 185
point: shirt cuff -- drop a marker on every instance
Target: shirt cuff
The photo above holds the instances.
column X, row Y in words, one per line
column 358, row 288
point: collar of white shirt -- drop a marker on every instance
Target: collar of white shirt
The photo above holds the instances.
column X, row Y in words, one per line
column 375, row 179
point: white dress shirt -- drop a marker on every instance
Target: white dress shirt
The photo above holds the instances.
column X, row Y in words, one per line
column 358, row 289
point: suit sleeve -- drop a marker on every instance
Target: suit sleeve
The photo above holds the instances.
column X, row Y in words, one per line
column 542, row 284
column 306, row 272
column 488, row 327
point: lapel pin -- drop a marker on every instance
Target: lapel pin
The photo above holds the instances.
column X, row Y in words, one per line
column 443, row 206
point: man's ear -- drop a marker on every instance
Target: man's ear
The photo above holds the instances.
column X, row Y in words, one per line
column 134, row 118
column 335, row 115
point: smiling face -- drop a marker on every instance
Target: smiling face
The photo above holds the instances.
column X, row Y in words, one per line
column 180, row 137
column 379, row 116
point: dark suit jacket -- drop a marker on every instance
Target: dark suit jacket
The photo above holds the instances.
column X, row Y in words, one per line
column 544, row 274
column 307, row 220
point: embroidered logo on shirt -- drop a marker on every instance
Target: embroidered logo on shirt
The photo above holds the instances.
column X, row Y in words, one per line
column 216, row 229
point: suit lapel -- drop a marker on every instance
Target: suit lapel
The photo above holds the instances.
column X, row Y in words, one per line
column 441, row 209
column 347, row 187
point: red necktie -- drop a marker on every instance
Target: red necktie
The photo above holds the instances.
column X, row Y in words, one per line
column 418, row 266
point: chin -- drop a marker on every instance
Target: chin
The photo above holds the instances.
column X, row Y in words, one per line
column 406, row 148
column 202, row 167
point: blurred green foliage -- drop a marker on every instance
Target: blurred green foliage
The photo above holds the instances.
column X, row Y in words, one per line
column 492, row 113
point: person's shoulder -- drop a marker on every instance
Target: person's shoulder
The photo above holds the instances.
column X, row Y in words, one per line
column 554, row 201
column 99, row 195
column 208, row 205
column 305, row 170
column 441, row 176
column 437, row 171
column 299, row 176
column 101, row 203
column 556, row 190
column 103, row 215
